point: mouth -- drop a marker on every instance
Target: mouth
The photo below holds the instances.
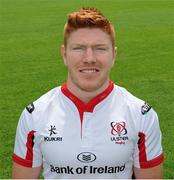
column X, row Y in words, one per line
column 89, row 70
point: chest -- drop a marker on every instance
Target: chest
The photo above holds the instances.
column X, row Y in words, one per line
column 102, row 138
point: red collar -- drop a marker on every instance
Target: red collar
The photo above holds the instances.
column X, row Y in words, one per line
column 89, row 107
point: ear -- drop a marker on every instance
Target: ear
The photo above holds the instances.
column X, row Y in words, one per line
column 114, row 54
column 63, row 54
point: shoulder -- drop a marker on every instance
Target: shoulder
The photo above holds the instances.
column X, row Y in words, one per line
column 35, row 112
column 133, row 103
column 42, row 103
column 139, row 113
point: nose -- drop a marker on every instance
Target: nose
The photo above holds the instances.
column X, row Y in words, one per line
column 89, row 56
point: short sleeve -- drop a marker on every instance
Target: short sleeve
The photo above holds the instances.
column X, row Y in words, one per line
column 148, row 151
column 26, row 149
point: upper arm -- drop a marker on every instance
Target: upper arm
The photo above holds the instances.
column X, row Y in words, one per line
column 22, row 172
column 149, row 173
column 148, row 150
column 27, row 155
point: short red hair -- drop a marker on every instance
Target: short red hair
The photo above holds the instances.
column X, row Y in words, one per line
column 88, row 18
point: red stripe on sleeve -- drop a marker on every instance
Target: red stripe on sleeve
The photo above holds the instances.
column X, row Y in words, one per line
column 28, row 161
column 22, row 162
column 143, row 157
column 29, row 145
column 142, row 148
column 152, row 163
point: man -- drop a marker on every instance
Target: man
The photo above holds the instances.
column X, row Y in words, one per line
column 88, row 127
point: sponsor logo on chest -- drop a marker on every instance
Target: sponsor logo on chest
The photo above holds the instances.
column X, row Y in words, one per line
column 87, row 169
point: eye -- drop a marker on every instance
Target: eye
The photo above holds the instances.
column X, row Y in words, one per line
column 78, row 48
column 101, row 49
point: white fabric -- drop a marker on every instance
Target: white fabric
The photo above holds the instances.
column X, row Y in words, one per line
column 93, row 148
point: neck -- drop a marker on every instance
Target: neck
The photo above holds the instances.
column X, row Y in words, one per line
column 85, row 95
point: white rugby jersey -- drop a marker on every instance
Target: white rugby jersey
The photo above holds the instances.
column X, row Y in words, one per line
column 104, row 138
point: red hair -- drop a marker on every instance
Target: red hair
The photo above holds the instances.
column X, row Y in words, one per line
column 88, row 18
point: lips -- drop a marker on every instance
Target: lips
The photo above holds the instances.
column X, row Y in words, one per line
column 89, row 70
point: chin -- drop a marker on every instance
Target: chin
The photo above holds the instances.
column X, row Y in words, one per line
column 90, row 86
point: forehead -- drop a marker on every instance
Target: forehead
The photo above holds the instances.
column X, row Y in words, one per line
column 89, row 36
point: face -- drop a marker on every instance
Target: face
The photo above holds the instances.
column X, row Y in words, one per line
column 89, row 56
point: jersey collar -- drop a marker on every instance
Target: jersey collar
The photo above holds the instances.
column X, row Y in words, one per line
column 89, row 107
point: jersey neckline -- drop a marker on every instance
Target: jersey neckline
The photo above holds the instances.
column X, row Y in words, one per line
column 88, row 107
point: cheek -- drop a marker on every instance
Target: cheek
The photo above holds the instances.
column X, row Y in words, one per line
column 111, row 61
column 107, row 62
column 74, row 58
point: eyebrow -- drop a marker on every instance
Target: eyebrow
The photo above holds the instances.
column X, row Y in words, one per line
column 77, row 44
